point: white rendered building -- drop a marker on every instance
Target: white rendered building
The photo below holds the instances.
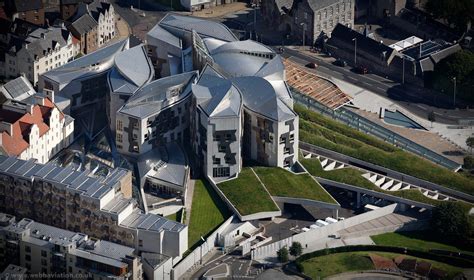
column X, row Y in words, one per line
column 34, row 129
column 43, row 50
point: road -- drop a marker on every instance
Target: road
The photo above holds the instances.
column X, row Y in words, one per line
column 413, row 99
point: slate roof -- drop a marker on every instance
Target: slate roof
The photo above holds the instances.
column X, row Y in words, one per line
column 25, row 5
column 84, row 24
column 367, row 45
column 40, row 41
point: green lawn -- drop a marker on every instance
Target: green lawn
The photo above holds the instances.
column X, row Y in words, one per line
column 354, row 177
column 418, row 240
column 280, row 182
column 324, row 266
column 327, row 133
column 208, row 211
column 247, row 194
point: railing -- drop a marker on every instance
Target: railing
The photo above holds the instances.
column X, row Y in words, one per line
column 362, row 124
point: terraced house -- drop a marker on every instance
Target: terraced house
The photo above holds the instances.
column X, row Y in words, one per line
column 37, row 52
column 33, row 128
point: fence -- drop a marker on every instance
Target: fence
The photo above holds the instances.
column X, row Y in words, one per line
column 362, row 124
column 197, row 254
column 320, row 233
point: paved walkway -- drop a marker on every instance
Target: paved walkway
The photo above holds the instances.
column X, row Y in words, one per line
column 221, row 10
column 189, row 200
column 447, row 140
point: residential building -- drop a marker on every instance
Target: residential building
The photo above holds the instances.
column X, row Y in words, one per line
column 40, row 51
column 34, row 128
column 104, row 15
column 85, row 30
column 68, row 8
column 42, row 249
column 30, row 10
column 308, row 18
column 100, row 206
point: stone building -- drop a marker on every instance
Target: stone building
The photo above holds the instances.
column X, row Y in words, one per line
column 309, row 17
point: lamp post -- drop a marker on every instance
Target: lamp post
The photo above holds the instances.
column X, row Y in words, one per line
column 254, row 5
column 355, row 51
column 304, row 33
column 454, row 92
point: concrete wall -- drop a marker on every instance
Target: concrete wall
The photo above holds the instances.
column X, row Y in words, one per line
column 314, row 235
column 197, row 254
column 385, row 171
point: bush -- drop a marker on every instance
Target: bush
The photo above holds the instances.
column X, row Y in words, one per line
column 300, row 267
column 296, row 249
column 282, row 255
column 469, row 162
column 451, row 221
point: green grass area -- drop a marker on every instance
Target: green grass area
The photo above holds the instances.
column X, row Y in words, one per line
column 280, row 182
column 354, row 177
column 247, row 194
column 176, row 216
column 418, row 240
column 208, row 211
column 321, row 131
column 324, row 266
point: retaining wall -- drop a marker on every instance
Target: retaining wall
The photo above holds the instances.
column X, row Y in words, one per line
column 319, row 233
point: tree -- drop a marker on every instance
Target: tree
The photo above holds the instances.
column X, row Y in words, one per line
column 431, row 117
column 296, row 249
column 282, row 255
column 458, row 12
column 459, row 65
column 468, row 162
column 451, row 221
column 470, row 143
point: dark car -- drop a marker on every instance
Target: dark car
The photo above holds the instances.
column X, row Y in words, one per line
column 311, row 65
column 361, row 69
column 340, row 62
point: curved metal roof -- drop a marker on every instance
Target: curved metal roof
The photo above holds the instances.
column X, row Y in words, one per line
column 135, row 65
column 153, row 97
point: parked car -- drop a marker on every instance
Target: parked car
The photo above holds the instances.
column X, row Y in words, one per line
column 311, row 65
column 340, row 62
column 361, row 70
